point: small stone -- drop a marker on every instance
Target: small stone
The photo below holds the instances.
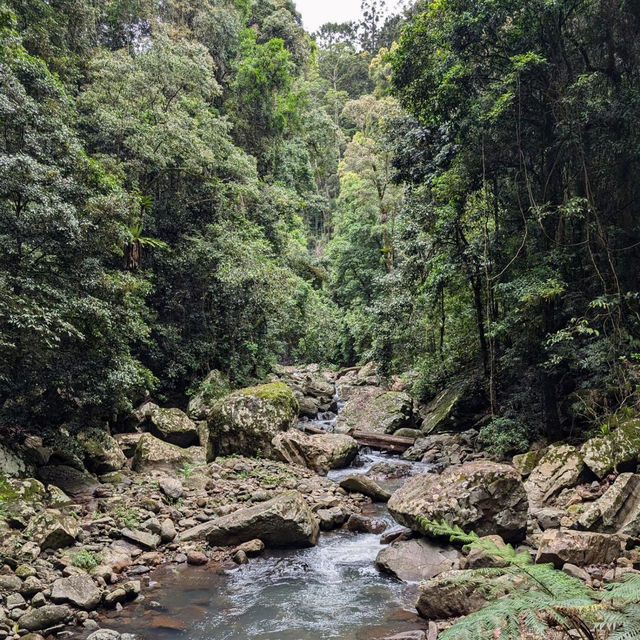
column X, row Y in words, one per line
column 171, row 487
column 142, row 538
column 167, row 531
column 252, row 548
column 196, row 558
column 14, row 601
column 576, row 572
column 114, row 597
column 79, row 590
column 240, row 557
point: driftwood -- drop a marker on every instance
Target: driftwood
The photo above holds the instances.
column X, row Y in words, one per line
column 398, row 444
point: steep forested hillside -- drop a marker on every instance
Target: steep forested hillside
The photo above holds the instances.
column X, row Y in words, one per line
column 191, row 185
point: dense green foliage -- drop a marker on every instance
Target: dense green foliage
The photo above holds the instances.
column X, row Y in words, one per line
column 192, row 185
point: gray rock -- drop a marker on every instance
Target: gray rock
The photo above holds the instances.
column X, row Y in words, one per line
column 104, row 634
column 102, row 452
column 142, row 538
column 167, row 530
column 153, row 454
column 481, row 496
column 580, row 548
column 9, row 583
column 71, row 480
column 415, row 560
column 80, row 590
column 45, row 617
column 247, row 420
column 171, row 487
column 175, row 427
column 375, row 410
column 284, row 521
column 359, row 483
column 320, row 452
column 53, row 530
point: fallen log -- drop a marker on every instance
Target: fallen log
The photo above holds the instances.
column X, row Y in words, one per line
column 397, row 444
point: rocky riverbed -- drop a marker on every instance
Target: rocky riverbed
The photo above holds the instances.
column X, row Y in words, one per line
column 90, row 525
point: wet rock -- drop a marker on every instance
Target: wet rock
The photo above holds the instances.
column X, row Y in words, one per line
column 331, row 518
column 621, row 446
column 247, row 420
column 459, row 593
column 167, row 622
column 239, row 557
column 560, row 467
column 390, row 469
column 320, row 452
column 53, row 530
column 284, row 521
column 415, row 560
column 375, row 410
column 443, row 449
column 102, row 453
column 481, row 496
column 47, row 616
column 142, row 538
column 80, row 590
column 361, row 524
column 580, row 548
column 175, row 427
column 154, row 454
column 359, row 483
column 407, row 635
column 196, row 558
column 397, row 533
column 211, row 389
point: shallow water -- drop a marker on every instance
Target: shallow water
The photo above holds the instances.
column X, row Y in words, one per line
column 332, row 591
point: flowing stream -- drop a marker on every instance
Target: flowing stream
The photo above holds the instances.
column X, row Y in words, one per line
column 332, row 591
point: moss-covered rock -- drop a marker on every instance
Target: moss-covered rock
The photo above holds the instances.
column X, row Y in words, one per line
column 210, row 390
column 375, row 410
column 11, row 464
column 525, row 463
column 153, row 454
column 605, row 453
column 102, row 453
column 53, row 529
column 247, row 420
column 174, row 426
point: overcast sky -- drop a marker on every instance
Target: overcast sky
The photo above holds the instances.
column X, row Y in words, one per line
column 316, row 12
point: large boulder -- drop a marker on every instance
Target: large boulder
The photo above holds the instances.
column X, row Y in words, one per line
column 417, row 559
column 284, row 521
column 320, row 452
column 175, row 427
column 246, row 421
column 375, row 410
column 606, row 453
column 71, row 480
column 11, row 464
column 153, row 454
column 44, row 617
column 459, row 593
column 313, row 388
column 617, row 510
column 102, row 453
column 79, row 589
column 210, row 390
column 481, row 496
column 559, row 468
column 52, row 529
column 580, row 548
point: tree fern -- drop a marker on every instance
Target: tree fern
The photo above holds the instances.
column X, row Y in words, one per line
column 542, row 597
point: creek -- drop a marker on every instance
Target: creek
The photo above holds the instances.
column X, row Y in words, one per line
column 332, row 591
